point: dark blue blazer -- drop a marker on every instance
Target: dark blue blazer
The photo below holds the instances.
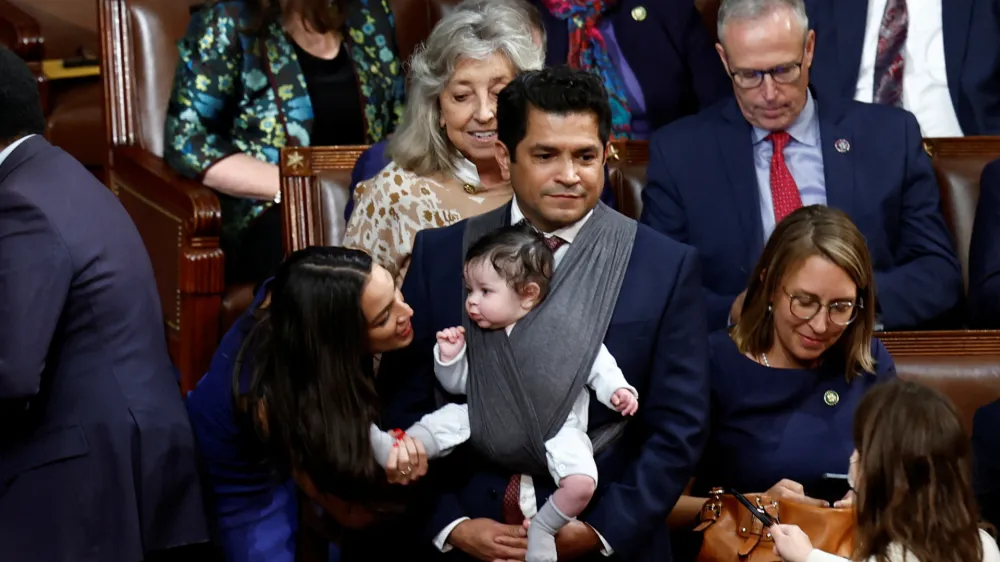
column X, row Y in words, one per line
column 97, row 459
column 657, row 335
column 986, row 460
column 984, row 253
column 669, row 51
column 703, row 191
column 971, row 30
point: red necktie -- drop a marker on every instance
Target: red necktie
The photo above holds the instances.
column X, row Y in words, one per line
column 554, row 243
column 889, row 61
column 512, row 502
column 784, row 192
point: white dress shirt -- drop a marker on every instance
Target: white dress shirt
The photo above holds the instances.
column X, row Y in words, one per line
column 925, row 81
column 10, row 148
column 527, row 500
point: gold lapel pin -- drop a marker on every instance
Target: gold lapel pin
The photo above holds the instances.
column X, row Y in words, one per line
column 639, row 13
column 831, row 398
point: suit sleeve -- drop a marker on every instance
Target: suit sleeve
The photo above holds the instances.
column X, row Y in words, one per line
column 35, row 277
column 708, row 76
column 926, row 281
column 675, row 411
column 407, row 388
column 663, row 211
column 196, row 130
column 984, row 253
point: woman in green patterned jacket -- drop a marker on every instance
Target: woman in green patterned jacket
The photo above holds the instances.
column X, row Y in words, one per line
column 257, row 75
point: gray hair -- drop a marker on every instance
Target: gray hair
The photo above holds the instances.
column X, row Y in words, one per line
column 743, row 10
column 419, row 144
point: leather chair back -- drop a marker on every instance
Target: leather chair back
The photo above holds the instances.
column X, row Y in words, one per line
column 140, row 49
column 709, row 10
column 964, row 365
column 315, row 188
column 627, row 162
column 959, row 163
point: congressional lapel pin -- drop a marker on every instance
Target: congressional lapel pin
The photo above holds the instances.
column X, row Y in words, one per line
column 639, row 13
column 842, row 145
column 831, row 398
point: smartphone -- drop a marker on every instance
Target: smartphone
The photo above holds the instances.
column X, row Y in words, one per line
column 757, row 512
column 831, row 488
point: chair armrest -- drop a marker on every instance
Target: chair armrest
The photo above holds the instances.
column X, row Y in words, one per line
column 179, row 221
column 21, row 33
column 152, row 178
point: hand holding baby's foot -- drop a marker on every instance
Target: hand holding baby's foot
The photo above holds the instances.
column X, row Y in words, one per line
column 625, row 402
column 450, row 342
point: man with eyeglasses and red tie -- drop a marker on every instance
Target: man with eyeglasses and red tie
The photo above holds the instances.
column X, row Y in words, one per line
column 722, row 179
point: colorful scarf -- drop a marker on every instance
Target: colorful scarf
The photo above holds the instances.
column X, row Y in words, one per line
column 589, row 51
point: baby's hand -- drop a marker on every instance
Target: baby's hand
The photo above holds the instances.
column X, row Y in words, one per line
column 625, row 402
column 450, row 342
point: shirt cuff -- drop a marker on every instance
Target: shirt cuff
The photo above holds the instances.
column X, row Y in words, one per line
column 441, row 540
column 606, row 549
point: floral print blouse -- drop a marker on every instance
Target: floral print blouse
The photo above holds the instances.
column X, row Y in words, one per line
column 239, row 92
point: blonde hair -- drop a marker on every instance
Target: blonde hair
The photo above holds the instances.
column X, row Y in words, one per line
column 816, row 230
column 419, row 145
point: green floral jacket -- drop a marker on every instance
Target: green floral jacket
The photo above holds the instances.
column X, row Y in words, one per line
column 236, row 92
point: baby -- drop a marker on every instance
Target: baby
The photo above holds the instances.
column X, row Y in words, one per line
column 508, row 273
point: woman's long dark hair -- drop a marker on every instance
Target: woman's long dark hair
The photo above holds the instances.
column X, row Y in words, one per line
column 312, row 396
column 915, row 484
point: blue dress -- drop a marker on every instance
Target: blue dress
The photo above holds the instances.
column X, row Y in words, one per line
column 768, row 424
column 255, row 506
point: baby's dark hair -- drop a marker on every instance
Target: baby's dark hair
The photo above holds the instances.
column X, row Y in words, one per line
column 518, row 254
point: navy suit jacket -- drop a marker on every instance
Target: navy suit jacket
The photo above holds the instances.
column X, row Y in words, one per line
column 669, row 51
column 984, row 253
column 658, row 337
column 986, row 457
column 971, row 30
column 703, row 191
column 97, row 458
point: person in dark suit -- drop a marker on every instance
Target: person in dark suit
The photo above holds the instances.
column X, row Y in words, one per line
column 984, row 252
column 722, row 179
column 657, row 62
column 940, row 60
column 986, row 461
column 97, row 458
column 553, row 128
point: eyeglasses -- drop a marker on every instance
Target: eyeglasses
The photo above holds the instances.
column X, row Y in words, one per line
column 806, row 308
column 783, row 74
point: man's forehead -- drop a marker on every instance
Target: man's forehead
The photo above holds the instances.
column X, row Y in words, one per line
column 562, row 130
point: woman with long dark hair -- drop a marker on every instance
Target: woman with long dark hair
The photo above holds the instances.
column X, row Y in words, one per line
column 912, row 478
column 287, row 406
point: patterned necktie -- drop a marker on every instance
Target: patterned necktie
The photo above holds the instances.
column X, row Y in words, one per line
column 889, row 61
column 554, row 243
column 784, row 192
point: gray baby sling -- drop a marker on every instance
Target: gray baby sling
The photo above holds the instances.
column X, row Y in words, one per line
column 522, row 386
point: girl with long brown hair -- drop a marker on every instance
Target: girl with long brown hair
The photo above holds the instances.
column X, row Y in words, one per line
column 912, row 479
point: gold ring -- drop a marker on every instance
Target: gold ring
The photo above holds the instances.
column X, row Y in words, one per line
column 405, row 472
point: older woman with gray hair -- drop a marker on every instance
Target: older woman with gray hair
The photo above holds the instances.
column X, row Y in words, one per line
column 443, row 166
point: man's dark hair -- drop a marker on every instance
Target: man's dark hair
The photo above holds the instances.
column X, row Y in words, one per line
column 558, row 89
column 20, row 104
column 518, row 254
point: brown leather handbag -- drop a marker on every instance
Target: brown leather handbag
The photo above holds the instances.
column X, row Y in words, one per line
column 731, row 534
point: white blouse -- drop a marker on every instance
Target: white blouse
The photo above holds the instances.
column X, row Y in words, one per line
column 897, row 554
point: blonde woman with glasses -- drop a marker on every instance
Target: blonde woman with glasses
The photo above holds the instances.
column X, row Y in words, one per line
column 786, row 379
